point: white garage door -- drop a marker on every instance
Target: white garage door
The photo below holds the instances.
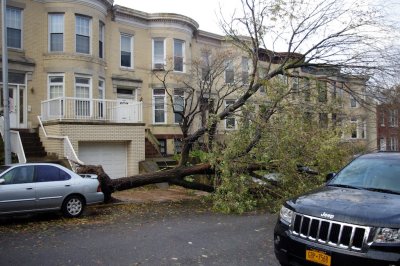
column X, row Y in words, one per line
column 112, row 156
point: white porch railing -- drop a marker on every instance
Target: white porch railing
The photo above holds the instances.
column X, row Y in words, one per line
column 15, row 142
column 83, row 109
column 69, row 151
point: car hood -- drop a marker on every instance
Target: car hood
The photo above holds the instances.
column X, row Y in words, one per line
column 353, row 206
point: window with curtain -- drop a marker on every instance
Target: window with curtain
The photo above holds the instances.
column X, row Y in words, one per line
column 126, row 51
column 56, row 32
column 82, row 32
column 179, row 55
column 14, row 27
column 158, row 53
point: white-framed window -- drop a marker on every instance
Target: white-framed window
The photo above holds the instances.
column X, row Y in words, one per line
column 56, row 32
column 230, row 120
column 82, row 34
column 159, row 106
column 245, row 70
column 101, row 39
column 393, row 118
column 55, row 85
column 229, row 72
column 382, row 144
column 363, row 129
column 393, row 143
column 353, row 101
column 55, row 91
column 382, row 118
column 126, row 51
column 179, row 105
column 179, row 55
column 158, row 53
column 83, row 93
column 14, row 27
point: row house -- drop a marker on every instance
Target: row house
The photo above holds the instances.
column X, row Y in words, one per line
column 87, row 77
column 388, row 132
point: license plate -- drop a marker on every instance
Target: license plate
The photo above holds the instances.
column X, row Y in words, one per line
column 318, row 257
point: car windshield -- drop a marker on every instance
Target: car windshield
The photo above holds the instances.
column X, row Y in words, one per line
column 3, row 168
column 377, row 174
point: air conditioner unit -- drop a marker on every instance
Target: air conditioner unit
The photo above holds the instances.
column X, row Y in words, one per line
column 159, row 66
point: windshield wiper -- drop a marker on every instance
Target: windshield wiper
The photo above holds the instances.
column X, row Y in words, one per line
column 384, row 190
column 345, row 186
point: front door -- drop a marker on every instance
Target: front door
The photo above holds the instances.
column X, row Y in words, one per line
column 17, row 105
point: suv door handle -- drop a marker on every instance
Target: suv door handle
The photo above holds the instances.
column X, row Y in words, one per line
column 29, row 188
column 67, row 185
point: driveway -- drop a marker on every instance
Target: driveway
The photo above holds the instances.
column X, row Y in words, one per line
column 153, row 233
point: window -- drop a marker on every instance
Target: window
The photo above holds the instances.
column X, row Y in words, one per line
column 353, row 124
column 158, row 53
column 19, row 175
column 100, row 110
column 163, row 146
column 205, row 66
column 393, row 143
column 56, row 86
column 56, row 32
column 179, row 105
column 323, row 120
column 382, row 118
column 230, row 120
column 382, row 144
column 393, row 118
column 82, row 31
column 229, row 73
column 245, row 70
column 178, row 146
column 126, row 51
column 82, row 92
column 14, row 27
column 353, row 101
column 363, row 129
column 159, row 106
column 101, row 39
column 48, row 173
column 307, row 90
column 56, row 91
column 179, row 55
column 322, row 91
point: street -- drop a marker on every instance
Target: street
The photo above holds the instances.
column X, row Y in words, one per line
column 182, row 233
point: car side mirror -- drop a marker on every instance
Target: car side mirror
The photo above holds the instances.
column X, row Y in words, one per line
column 329, row 176
column 2, row 181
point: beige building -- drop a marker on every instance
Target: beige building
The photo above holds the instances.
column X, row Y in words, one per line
column 84, row 75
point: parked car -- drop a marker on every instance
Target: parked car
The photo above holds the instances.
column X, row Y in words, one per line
column 353, row 220
column 35, row 187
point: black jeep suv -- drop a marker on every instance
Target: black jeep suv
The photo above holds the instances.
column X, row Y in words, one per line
column 353, row 220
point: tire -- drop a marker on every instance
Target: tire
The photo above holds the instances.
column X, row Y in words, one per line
column 73, row 206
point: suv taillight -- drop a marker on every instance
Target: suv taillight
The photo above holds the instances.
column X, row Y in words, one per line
column 99, row 188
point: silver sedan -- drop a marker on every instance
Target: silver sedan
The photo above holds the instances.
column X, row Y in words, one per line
column 34, row 187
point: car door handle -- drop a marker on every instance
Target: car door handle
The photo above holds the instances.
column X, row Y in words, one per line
column 67, row 185
column 29, row 188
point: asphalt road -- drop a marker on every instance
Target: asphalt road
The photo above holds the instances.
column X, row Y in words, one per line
column 148, row 234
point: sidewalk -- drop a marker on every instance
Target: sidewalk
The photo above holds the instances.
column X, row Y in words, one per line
column 155, row 194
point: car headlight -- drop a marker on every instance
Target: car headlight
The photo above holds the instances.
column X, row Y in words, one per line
column 387, row 235
column 286, row 215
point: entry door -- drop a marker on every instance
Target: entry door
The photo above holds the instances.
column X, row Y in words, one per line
column 17, row 105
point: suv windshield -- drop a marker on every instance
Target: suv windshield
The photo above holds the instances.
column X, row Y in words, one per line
column 377, row 174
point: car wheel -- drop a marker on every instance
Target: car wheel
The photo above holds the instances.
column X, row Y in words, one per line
column 73, row 206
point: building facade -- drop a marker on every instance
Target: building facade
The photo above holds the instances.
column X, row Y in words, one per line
column 90, row 71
